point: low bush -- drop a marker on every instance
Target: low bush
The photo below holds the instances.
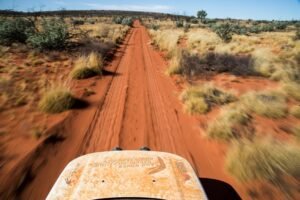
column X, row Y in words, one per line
column 232, row 123
column 263, row 160
column 235, row 64
column 224, row 31
column 269, row 104
column 118, row 20
column 15, row 30
column 295, row 111
column 57, row 100
column 127, row 21
column 76, row 22
column 154, row 26
column 179, row 23
column 54, row 35
column 206, row 96
column 87, row 66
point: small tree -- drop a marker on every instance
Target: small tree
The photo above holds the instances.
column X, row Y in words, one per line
column 225, row 31
column 201, row 14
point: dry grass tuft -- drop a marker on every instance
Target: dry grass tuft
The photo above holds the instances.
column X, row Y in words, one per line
column 292, row 89
column 269, row 104
column 56, row 100
column 210, row 93
column 196, row 105
column 167, row 40
column 263, row 160
column 295, row 111
column 198, row 100
column 232, row 123
column 86, row 67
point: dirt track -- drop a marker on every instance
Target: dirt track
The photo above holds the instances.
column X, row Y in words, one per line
column 136, row 105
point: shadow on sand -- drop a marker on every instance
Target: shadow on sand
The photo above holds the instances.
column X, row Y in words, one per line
column 218, row 190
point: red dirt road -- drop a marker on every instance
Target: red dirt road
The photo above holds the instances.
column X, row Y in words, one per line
column 137, row 105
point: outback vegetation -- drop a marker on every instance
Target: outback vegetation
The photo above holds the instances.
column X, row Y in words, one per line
column 256, row 63
column 239, row 80
column 44, row 61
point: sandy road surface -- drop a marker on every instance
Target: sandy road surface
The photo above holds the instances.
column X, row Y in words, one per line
column 136, row 106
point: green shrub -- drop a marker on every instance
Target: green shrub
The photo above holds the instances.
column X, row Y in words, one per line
column 269, row 104
column 230, row 124
column 263, row 160
column 225, row 31
column 179, row 24
column 254, row 29
column 15, row 30
column 57, row 100
column 118, row 20
column 280, row 25
column 295, row 111
column 127, row 21
column 54, row 35
column 194, row 21
column 78, row 22
column 154, row 27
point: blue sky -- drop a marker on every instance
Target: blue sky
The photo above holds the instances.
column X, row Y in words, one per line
column 243, row 9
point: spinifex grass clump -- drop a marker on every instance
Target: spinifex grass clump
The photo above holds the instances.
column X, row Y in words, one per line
column 292, row 89
column 232, row 123
column 56, row 100
column 263, row 160
column 200, row 99
column 269, row 104
column 87, row 66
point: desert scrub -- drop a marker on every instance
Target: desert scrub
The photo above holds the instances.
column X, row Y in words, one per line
column 270, row 104
column 295, row 111
column 15, row 30
column 196, row 105
column 166, row 40
column 56, row 100
column 87, row 66
column 175, row 65
column 263, row 159
column 232, row 123
column 292, row 89
column 53, row 35
column 225, row 31
column 205, row 96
